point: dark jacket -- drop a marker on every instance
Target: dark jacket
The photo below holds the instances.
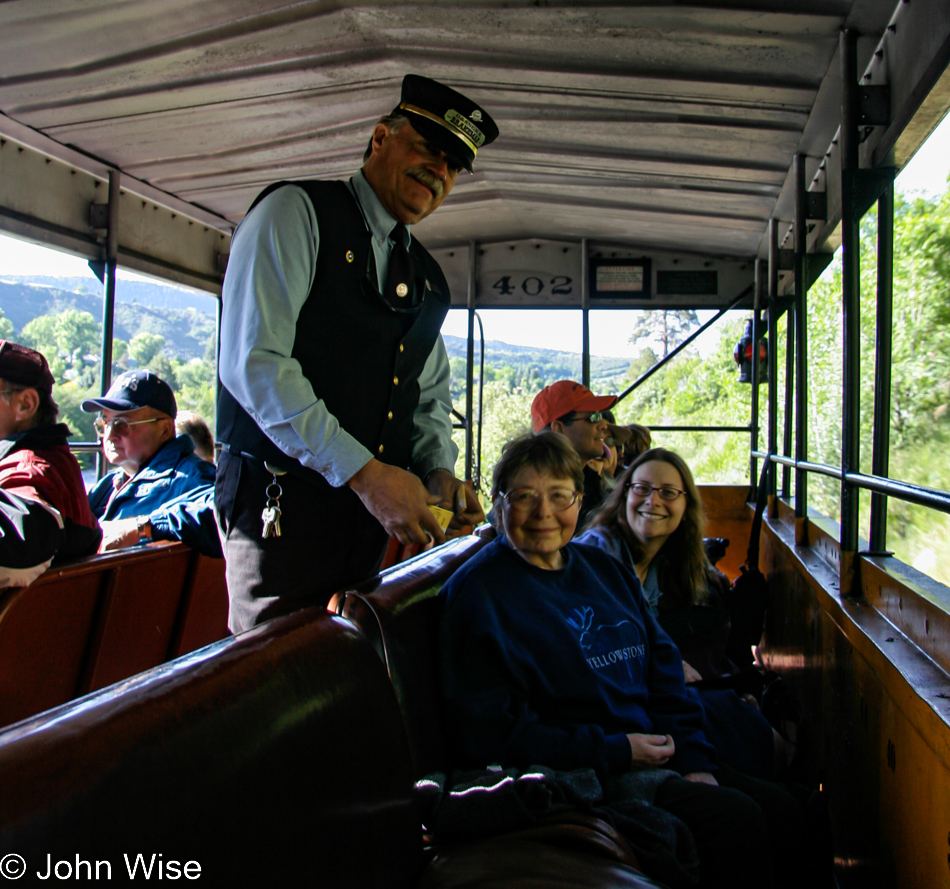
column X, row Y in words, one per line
column 556, row 667
column 175, row 490
column 36, row 468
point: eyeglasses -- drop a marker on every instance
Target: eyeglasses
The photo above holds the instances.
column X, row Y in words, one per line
column 528, row 500
column 119, row 425
column 595, row 417
column 665, row 492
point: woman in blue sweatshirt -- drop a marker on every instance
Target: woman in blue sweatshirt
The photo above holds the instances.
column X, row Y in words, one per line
column 547, row 659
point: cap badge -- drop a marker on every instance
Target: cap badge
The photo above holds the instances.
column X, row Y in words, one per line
column 349, row 256
column 476, row 115
column 465, row 127
column 401, row 290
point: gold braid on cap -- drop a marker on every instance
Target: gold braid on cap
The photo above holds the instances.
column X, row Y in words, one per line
column 455, row 131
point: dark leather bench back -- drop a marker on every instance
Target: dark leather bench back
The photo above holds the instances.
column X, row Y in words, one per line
column 277, row 757
column 399, row 612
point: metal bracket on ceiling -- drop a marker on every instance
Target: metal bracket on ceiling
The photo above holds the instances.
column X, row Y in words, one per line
column 869, row 185
column 874, row 105
column 816, row 205
column 99, row 216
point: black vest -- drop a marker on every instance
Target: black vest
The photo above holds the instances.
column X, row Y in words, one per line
column 362, row 358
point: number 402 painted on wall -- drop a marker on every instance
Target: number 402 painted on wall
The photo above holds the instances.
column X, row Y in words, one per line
column 560, row 285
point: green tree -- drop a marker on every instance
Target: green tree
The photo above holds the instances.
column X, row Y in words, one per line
column 66, row 339
column 664, row 329
column 6, row 327
column 145, row 346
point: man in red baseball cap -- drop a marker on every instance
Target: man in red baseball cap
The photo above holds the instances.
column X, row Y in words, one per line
column 43, row 506
column 572, row 410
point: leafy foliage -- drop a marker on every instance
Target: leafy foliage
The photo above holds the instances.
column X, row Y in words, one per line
column 177, row 343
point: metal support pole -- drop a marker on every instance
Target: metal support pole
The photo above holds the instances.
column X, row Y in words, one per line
column 773, row 361
column 754, row 405
column 585, row 313
column 108, row 296
column 851, row 307
column 801, row 357
column 470, row 361
column 882, row 371
column 789, row 397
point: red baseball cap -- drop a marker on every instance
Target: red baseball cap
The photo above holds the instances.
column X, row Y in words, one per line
column 563, row 397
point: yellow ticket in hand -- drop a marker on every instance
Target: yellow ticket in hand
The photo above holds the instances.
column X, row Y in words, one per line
column 442, row 516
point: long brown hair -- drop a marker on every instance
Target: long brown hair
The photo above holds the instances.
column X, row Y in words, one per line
column 681, row 563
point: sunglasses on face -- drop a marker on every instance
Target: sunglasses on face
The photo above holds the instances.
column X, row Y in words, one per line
column 119, row 425
column 665, row 492
column 594, row 418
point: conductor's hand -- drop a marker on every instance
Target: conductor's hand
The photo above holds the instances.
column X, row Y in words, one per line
column 649, row 751
column 455, row 496
column 399, row 502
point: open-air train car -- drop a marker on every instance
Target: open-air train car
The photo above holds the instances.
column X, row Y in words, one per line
column 652, row 155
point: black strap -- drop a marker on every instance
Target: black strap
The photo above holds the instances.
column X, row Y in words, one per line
column 752, row 559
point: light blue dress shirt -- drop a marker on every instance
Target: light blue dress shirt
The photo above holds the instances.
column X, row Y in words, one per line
column 270, row 272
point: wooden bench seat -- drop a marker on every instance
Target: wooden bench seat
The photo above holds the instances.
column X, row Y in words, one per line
column 95, row 621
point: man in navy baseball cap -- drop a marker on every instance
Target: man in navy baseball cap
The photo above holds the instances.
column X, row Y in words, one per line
column 159, row 481
column 133, row 390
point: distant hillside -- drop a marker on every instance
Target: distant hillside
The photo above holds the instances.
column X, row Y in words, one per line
column 549, row 364
column 185, row 319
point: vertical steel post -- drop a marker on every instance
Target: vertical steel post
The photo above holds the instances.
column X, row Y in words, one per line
column 585, row 314
column 773, row 361
column 801, row 357
column 880, row 459
column 789, row 396
column 108, row 296
column 851, row 308
column 470, row 361
column 754, row 404
column 108, row 281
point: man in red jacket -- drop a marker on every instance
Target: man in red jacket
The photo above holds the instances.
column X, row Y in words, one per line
column 44, row 511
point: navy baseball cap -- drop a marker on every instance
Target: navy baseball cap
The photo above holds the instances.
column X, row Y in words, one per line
column 446, row 118
column 132, row 390
column 23, row 366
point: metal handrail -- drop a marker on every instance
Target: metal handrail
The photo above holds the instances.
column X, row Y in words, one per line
column 744, row 429
column 899, row 490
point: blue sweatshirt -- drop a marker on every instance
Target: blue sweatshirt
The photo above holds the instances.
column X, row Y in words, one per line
column 556, row 667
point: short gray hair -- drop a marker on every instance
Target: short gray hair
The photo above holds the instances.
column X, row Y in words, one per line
column 395, row 122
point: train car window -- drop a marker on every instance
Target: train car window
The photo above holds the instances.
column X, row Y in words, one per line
column 52, row 301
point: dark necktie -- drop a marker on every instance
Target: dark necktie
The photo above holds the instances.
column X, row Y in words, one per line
column 401, row 275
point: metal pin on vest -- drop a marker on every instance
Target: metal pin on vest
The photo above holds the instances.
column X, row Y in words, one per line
column 401, row 274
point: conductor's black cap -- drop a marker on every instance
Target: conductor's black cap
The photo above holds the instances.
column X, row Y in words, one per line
column 446, row 118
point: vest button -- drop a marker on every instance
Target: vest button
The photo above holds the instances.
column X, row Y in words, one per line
column 395, row 381
column 401, row 347
column 380, row 449
column 389, row 416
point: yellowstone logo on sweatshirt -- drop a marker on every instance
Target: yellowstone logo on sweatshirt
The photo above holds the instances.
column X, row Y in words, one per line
column 615, row 650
